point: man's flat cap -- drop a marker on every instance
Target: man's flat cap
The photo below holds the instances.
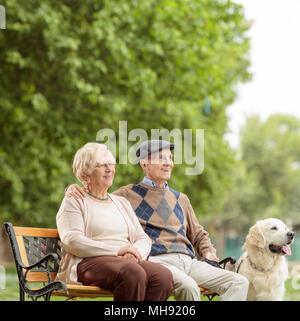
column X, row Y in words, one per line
column 152, row 146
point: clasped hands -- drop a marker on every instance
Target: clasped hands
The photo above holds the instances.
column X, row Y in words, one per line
column 130, row 253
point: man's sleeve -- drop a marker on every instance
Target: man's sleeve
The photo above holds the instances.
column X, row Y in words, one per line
column 196, row 233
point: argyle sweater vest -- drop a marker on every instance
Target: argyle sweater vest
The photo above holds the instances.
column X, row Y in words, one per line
column 168, row 218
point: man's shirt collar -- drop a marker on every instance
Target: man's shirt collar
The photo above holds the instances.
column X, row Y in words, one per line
column 149, row 182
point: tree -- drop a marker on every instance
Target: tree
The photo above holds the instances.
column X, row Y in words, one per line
column 266, row 184
column 276, row 162
column 69, row 69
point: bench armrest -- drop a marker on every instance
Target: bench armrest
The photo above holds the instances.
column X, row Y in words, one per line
column 50, row 256
column 45, row 260
column 221, row 264
column 229, row 259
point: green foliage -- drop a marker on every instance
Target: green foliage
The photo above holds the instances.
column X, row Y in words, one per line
column 69, row 69
column 267, row 182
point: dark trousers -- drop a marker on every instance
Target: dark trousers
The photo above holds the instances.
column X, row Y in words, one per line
column 128, row 280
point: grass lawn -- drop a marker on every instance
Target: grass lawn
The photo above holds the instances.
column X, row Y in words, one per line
column 11, row 292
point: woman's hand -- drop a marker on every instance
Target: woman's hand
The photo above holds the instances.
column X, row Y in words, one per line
column 134, row 252
column 129, row 256
column 76, row 191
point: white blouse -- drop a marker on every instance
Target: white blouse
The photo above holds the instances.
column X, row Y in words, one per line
column 109, row 225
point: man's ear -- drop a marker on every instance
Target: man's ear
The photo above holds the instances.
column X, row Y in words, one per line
column 255, row 237
column 143, row 163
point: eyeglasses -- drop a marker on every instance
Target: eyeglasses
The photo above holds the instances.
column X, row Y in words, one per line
column 112, row 165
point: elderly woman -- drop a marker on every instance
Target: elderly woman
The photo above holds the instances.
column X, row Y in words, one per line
column 103, row 243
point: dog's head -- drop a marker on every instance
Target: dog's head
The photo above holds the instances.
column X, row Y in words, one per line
column 271, row 234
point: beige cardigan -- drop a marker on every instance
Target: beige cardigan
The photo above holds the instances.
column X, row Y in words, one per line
column 74, row 228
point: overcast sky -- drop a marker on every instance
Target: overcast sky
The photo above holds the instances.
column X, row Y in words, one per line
column 275, row 59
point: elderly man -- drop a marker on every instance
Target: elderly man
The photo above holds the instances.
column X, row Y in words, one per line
column 168, row 218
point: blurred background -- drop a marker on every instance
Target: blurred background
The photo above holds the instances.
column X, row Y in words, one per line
column 69, row 69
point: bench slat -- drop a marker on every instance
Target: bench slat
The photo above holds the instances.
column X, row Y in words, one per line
column 35, row 231
column 22, row 249
column 84, row 291
column 88, row 291
column 95, row 291
column 38, row 277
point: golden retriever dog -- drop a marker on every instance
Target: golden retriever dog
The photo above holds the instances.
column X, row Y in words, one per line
column 263, row 263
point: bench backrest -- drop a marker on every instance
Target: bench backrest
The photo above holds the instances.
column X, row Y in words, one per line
column 32, row 244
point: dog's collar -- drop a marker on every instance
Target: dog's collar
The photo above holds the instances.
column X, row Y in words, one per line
column 257, row 268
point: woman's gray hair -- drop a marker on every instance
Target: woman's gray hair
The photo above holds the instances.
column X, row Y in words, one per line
column 86, row 158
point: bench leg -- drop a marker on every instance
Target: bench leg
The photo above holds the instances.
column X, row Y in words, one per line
column 47, row 296
column 210, row 296
column 22, row 294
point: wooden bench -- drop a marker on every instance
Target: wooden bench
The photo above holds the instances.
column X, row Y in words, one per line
column 37, row 254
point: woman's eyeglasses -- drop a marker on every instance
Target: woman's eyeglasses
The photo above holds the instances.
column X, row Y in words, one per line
column 107, row 165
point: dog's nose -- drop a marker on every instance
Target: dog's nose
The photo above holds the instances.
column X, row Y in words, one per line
column 291, row 235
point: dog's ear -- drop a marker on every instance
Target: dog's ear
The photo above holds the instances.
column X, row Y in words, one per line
column 255, row 237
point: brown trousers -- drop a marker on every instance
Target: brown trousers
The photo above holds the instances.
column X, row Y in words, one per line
column 128, row 280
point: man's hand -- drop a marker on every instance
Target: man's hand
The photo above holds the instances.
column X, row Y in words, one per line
column 130, row 250
column 76, row 191
column 211, row 256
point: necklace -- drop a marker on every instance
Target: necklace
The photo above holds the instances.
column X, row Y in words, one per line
column 99, row 198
